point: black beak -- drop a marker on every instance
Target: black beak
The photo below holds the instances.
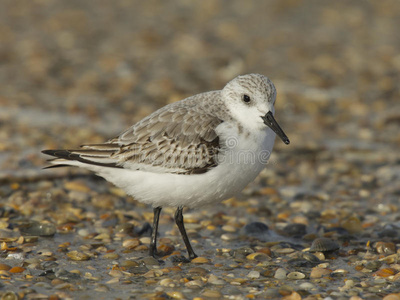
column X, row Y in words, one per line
column 269, row 120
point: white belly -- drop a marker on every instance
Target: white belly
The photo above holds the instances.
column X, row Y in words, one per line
column 238, row 165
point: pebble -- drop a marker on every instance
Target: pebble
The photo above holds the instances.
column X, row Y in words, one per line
column 145, row 240
column 16, row 270
column 9, row 296
column 296, row 275
column 307, row 286
column 129, row 264
column 78, row 256
column 211, row 294
column 229, row 228
column 176, row 295
column 200, row 260
column 280, row 273
column 385, row 247
column 229, row 237
column 116, row 273
column 167, row 282
column 253, row 274
column 4, row 267
column 215, row 280
column 318, row 272
column 111, row 256
column 39, row 229
column 198, row 270
column 194, row 284
column 255, row 229
column 258, row 256
column 149, row 261
column 130, row 243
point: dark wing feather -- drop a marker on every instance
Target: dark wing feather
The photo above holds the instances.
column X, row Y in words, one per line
column 177, row 140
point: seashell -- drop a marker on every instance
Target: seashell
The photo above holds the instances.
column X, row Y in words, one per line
column 324, row 245
column 295, row 275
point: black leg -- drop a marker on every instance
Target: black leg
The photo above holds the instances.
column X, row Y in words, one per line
column 181, row 226
column 153, row 241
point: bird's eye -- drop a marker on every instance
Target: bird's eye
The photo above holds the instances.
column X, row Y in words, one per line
column 246, row 98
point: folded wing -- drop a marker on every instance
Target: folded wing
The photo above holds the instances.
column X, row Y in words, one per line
column 174, row 139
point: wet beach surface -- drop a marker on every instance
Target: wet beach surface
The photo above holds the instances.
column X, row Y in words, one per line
column 322, row 220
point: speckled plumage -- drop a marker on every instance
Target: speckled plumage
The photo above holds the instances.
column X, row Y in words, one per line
column 202, row 149
column 155, row 159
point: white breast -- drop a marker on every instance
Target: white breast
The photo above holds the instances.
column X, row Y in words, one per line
column 239, row 163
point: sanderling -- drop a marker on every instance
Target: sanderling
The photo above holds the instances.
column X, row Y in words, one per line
column 193, row 152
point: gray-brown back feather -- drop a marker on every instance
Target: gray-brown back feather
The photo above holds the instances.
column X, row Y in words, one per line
column 178, row 138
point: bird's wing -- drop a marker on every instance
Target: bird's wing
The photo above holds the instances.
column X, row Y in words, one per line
column 175, row 139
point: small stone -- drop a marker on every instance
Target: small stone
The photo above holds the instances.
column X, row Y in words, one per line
column 164, row 249
column 318, row 272
column 124, row 228
column 150, row 261
column 238, row 281
column 390, row 259
column 212, row 294
column 111, row 256
column 373, row 265
column 113, row 281
column 145, row 240
column 385, row 247
column 385, row 272
column 392, row 297
column 292, row 296
column 167, row 282
column 153, row 273
column 83, row 232
column 229, row 228
column 116, row 273
column 280, row 273
column 4, row 267
column 129, row 264
column 16, row 270
column 295, row 275
column 229, row 237
column 176, row 295
column 63, row 286
column 9, row 296
column 78, row 256
column 194, row 283
column 130, row 243
column 198, row 270
column 258, row 256
column 215, row 280
column 253, row 274
column 31, row 239
column 255, row 229
column 38, row 229
column 200, row 260
column 285, row 250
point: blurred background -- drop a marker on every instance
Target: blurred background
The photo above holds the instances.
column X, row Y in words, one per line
column 75, row 72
